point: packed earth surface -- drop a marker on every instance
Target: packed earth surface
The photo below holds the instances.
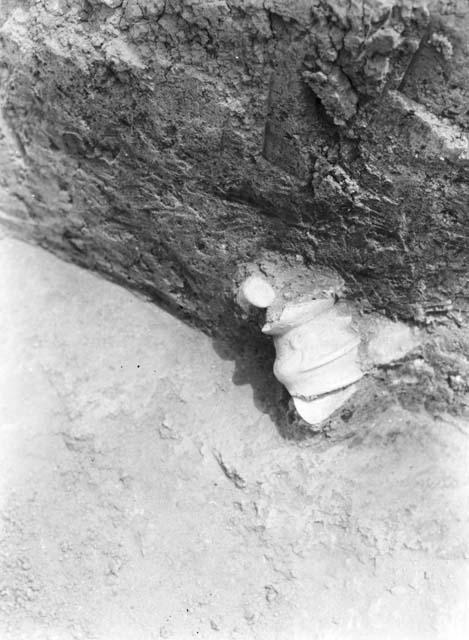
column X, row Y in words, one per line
column 146, row 492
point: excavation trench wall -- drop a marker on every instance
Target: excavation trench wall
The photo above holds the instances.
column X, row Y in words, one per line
column 168, row 143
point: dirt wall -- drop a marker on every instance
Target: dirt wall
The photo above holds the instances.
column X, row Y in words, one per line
column 168, row 143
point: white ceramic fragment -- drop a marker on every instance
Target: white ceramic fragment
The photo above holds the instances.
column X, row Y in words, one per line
column 317, row 356
column 296, row 314
column 318, row 410
column 390, row 341
column 255, row 291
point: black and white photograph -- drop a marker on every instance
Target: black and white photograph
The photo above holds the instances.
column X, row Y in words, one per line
column 234, row 319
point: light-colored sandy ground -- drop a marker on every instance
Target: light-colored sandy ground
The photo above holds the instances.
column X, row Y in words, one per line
column 143, row 495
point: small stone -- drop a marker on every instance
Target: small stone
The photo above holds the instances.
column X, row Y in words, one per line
column 256, row 291
column 112, row 4
column 441, row 43
column 456, row 382
column 271, row 593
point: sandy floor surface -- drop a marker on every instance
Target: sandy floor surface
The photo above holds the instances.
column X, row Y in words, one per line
column 144, row 495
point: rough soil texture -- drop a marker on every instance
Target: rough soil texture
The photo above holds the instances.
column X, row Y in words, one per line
column 144, row 495
column 166, row 143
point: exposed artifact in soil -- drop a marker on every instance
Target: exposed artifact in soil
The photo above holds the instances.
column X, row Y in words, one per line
column 256, row 291
column 319, row 358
